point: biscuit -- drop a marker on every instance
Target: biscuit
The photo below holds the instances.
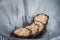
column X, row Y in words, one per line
column 39, row 22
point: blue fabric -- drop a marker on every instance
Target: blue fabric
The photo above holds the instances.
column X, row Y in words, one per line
column 16, row 13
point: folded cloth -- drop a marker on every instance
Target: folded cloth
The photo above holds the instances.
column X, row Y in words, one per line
column 16, row 13
column 56, row 38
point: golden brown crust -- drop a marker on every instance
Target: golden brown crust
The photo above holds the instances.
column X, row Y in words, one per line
column 21, row 32
column 41, row 18
column 33, row 28
column 40, row 26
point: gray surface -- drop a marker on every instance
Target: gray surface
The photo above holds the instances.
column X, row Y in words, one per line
column 16, row 13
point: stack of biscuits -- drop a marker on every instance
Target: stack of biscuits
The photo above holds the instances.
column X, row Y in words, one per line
column 39, row 22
